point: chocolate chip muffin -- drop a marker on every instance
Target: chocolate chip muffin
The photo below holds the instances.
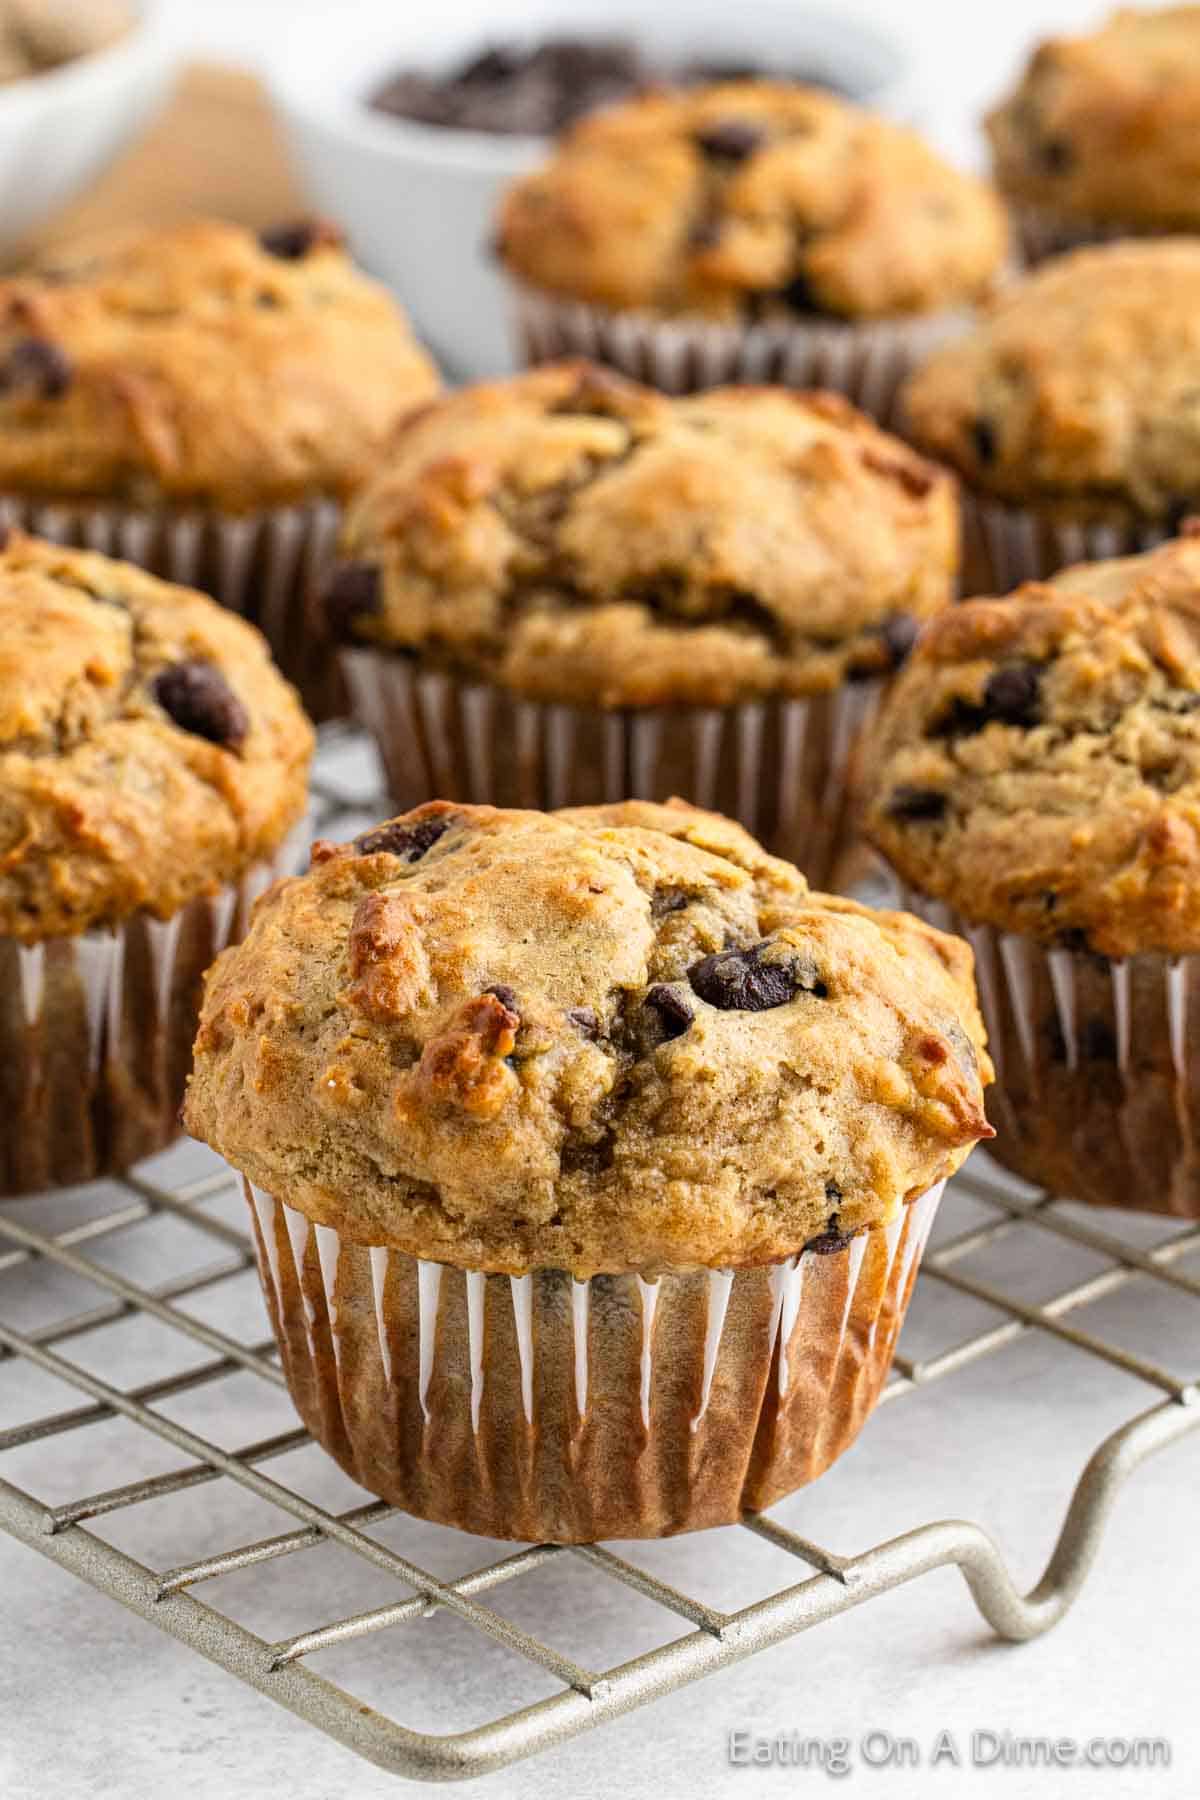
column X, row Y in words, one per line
column 1070, row 410
column 1101, row 137
column 1035, row 779
column 569, row 588
column 200, row 401
column 591, row 1155
column 749, row 230
column 152, row 766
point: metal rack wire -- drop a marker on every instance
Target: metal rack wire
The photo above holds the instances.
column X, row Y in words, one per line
column 92, row 1256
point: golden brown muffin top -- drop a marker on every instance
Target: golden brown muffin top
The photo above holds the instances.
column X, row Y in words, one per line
column 202, row 364
column 1038, row 764
column 1076, row 390
column 578, row 538
column 149, row 749
column 1107, row 126
column 750, row 199
column 612, row 1038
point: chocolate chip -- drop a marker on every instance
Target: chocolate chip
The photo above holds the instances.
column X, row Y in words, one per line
column 916, row 804
column 292, row 241
column 36, row 363
column 1012, row 694
column 730, row 140
column 743, row 981
column 899, row 633
column 668, row 900
column 355, row 591
column 585, row 1020
column 832, row 1191
column 505, row 995
column 674, row 1012
column 197, row 698
column 830, row 1241
column 1072, row 937
column 1056, row 155
column 984, row 440
column 409, row 839
column 798, row 296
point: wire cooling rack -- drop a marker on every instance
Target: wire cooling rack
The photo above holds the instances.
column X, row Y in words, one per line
column 156, row 1272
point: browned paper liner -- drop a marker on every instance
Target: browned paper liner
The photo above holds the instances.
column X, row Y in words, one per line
column 268, row 566
column 1006, row 545
column 96, row 1035
column 543, row 1408
column 1096, row 1093
column 1041, row 233
column 867, row 362
column 782, row 767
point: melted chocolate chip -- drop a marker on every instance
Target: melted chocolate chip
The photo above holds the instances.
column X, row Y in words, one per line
column 1011, row 696
column 292, row 241
column 196, row 697
column 916, row 804
column 407, row 839
column 505, row 995
column 984, row 440
column 585, row 1020
column 38, row 364
column 830, row 1241
column 743, row 981
column 668, row 900
column 354, row 592
column 730, row 140
column 673, row 1011
column 899, row 633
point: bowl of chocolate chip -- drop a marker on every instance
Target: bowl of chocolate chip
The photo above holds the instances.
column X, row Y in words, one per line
column 408, row 130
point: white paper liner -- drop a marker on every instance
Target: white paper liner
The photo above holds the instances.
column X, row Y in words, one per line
column 542, row 1407
column 96, row 1031
column 1097, row 1091
column 867, row 362
column 1006, row 545
column 782, row 767
column 270, row 566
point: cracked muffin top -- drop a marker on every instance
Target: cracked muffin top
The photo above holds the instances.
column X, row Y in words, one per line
column 202, row 364
column 1107, row 127
column 1076, row 390
column 611, row 1038
column 579, row 538
column 149, row 749
column 1038, row 764
column 751, row 200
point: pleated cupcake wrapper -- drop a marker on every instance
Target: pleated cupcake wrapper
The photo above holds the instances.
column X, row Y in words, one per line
column 544, row 1408
column 1097, row 1091
column 867, row 362
column 1006, row 545
column 1041, row 233
column 96, row 1033
column 783, row 767
column 269, row 566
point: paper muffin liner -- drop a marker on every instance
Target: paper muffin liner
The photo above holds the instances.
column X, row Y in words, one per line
column 867, row 362
column 1097, row 1090
column 1041, row 233
column 270, row 566
column 782, row 767
column 548, row 1409
column 1006, row 545
column 96, row 1034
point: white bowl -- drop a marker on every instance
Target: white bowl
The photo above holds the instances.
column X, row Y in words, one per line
column 418, row 202
column 59, row 130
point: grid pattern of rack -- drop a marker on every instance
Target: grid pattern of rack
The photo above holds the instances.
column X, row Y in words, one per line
column 88, row 1252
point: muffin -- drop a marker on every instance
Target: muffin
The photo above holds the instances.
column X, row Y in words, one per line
column 565, row 589
column 753, row 230
column 1101, row 138
column 36, row 35
column 1070, row 411
column 1035, row 782
column 199, row 401
column 152, row 766
column 591, row 1156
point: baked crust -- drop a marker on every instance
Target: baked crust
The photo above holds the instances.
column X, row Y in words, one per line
column 1037, row 764
column 576, row 537
column 193, row 365
column 749, row 198
column 109, row 805
column 608, row 1039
